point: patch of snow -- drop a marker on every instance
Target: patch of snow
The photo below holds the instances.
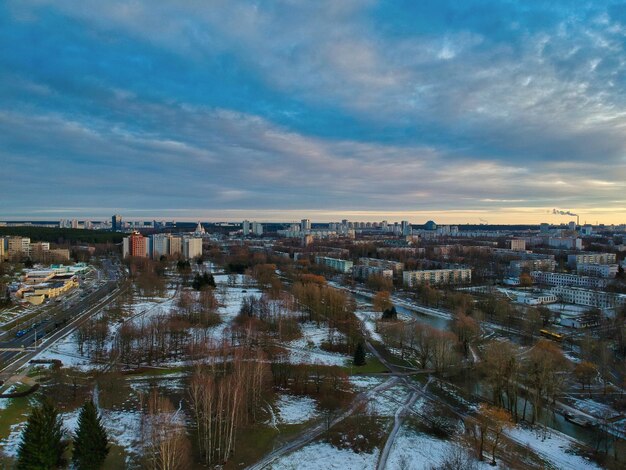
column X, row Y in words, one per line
column 324, row 455
column 306, row 350
column 368, row 319
column 364, row 382
column 293, row 409
column 555, row 447
column 418, row 451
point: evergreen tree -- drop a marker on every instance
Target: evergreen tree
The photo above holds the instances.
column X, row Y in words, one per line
column 91, row 440
column 390, row 313
column 42, row 443
column 359, row 355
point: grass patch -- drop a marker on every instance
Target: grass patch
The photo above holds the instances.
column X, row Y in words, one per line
column 16, row 412
column 252, row 444
column 372, row 366
column 151, row 372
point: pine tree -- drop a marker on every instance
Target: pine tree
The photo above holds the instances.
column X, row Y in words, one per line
column 42, row 443
column 91, row 440
column 359, row 355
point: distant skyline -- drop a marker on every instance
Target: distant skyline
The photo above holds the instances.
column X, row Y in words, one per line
column 444, row 110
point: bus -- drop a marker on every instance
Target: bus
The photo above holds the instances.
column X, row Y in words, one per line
column 552, row 335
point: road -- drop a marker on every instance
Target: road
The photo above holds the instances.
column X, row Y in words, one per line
column 60, row 322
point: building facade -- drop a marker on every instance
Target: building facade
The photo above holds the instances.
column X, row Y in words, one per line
column 591, row 258
column 436, row 276
column 590, row 298
column 563, row 279
column 361, row 271
column 599, row 270
column 336, row 264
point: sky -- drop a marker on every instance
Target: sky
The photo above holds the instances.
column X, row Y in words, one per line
column 456, row 111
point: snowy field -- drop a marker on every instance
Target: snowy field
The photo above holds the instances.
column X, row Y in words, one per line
column 293, row 409
column 230, row 298
column 307, row 350
column 555, row 447
column 323, row 455
column 418, row 451
column 368, row 319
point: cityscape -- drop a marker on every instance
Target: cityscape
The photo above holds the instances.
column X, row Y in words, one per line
column 294, row 235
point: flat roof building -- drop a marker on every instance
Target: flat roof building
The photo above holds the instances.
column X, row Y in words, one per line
column 436, row 276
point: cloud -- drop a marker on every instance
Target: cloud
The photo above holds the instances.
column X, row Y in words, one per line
column 336, row 105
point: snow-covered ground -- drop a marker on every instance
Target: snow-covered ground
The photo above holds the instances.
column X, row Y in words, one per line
column 368, row 319
column 388, row 401
column 365, row 382
column 307, row 350
column 66, row 351
column 418, row 451
column 324, row 455
column 594, row 408
column 555, row 447
column 230, row 298
column 294, row 409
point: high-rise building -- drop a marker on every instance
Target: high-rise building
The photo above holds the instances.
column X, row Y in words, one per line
column 135, row 245
column 116, row 222
column 305, row 225
column 192, row 248
column 517, row 244
column 246, row 228
column 160, row 245
column 406, row 228
column 17, row 245
column 176, row 246
column 257, row 229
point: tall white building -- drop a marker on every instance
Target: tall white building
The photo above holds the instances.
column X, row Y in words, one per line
column 406, row 228
column 192, row 248
column 305, row 224
column 257, row 229
column 246, row 228
column 160, row 245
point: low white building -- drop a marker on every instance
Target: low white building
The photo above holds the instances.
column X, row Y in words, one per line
column 563, row 279
column 589, row 298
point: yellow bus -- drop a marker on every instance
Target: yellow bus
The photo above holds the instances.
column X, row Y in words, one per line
column 552, row 335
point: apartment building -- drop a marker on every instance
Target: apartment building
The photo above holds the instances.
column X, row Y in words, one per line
column 361, row 271
column 591, row 258
column 599, row 270
column 517, row 244
column 136, row 245
column 192, row 248
column 436, row 276
column 395, row 266
column 518, row 266
column 341, row 265
column 566, row 243
column 573, row 280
